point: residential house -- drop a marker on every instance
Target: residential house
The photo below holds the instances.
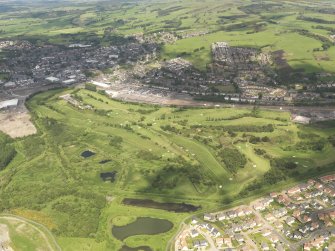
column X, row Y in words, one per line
column 221, row 216
column 289, row 220
column 280, row 212
column 266, row 232
column 265, row 246
column 227, row 241
column 293, row 190
column 209, row 217
column 239, row 237
column 269, row 217
column 194, row 233
column 219, row 242
column 274, row 238
column 215, row 233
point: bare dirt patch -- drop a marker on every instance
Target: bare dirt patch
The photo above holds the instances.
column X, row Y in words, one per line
column 4, row 238
column 16, row 123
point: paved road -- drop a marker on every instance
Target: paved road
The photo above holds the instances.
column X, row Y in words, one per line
column 210, row 241
column 248, row 241
column 291, row 246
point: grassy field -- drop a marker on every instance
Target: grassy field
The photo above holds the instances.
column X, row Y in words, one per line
column 162, row 153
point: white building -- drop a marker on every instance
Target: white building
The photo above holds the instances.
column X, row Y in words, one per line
column 52, row 79
column 9, row 103
column 301, row 119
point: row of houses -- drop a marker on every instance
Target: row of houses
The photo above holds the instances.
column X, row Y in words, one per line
column 263, row 204
column 319, row 241
column 232, row 214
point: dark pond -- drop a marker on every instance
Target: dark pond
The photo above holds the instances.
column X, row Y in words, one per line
column 142, row 226
column 87, row 154
column 141, row 248
column 108, row 176
column 105, row 161
column 172, row 207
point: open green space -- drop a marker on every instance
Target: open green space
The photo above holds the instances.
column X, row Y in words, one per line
column 208, row 157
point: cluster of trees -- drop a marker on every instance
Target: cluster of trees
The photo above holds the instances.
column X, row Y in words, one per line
column 241, row 128
column 203, row 140
column 76, row 209
column 168, row 11
column 97, row 99
column 115, row 141
column 280, row 168
column 144, row 111
column 147, row 155
column 283, row 163
column 117, row 40
column 254, row 139
column 199, row 49
column 81, row 211
column 126, row 127
column 170, row 24
column 7, row 151
column 259, row 151
column 315, row 145
column 51, row 107
column 90, row 87
column 326, row 42
column 169, row 128
column 315, row 20
column 102, row 112
column 233, row 159
column 320, row 27
column 331, row 140
column 229, row 118
column 174, row 173
column 271, row 177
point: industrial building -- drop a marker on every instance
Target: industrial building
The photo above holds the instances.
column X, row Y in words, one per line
column 8, row 104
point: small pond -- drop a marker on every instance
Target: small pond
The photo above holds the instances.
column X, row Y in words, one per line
column 105, row 161
column 142, row 226
column 87, row 154
column 141, row 248
column 108, row 176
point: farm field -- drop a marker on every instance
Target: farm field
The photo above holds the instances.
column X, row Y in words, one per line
column 73, row 175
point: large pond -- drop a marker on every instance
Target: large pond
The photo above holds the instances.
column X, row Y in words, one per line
column 142, row 226
column 141, row 248
column 168, row 206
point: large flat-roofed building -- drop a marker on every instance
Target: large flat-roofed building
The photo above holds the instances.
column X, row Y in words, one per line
column 52, row 79
column 301, row 119
column 100, row 84
column 9, row 103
